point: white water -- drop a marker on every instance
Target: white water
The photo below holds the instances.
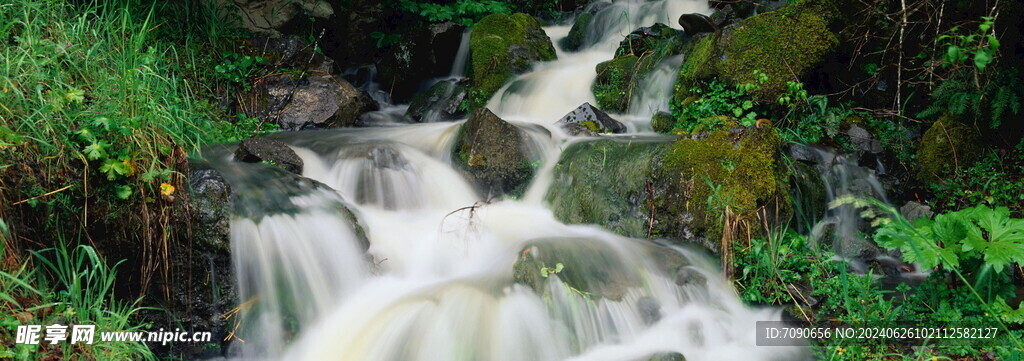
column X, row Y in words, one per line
column 436, row 282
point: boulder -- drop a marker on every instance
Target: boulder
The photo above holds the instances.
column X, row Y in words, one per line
column 501, row 46
column 493, row 155
column 267, row 17
column 785, row 45
column 314, row 101
column 442, row 102
column 945, row 147
column 577, row 37
column 593, row 119
column 694, row 24
column 615, row 82
column 588, row 266
column 605, row 181
column 913, row 211
column 257, row 150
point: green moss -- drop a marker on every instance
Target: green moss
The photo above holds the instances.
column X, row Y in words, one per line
column 947, row 145
column 589, row 267
column 615, row 80
column 783, row 44
column 605, row 182
column 740, row 171
column 502, row 45
column 663, row 122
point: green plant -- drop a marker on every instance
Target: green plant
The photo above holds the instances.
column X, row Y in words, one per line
column 979, row 47
column 993, row 180
column 385, row 40
column 717, row 99
column 465, row 12
column 237, row 68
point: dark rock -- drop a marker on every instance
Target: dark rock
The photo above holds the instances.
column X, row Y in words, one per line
column 289, row 52
column 667, row 356
column 650, row 310
column 593, row 119
column 913, row 211
column 724, row 17
column 803, row 153
column 206, row 288
column 442, row 102
column 255, row 150
column 425, row 55
column 694, row 24
column 317, row 101
column 690, row 276
column 268, row 17
column 493, row 155
column 863, row 140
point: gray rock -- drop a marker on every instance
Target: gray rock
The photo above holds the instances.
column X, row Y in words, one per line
column 913, row 211
column 803, row 153
column 724, row 17
column 578, row 130
column 318, row 101
column 593, row 119
column 493, row 155
column 650, row 310
column 694, row 24
column 255, row 150
column 863, row 140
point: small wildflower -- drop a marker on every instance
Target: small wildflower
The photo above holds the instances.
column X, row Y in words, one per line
column 166, row 189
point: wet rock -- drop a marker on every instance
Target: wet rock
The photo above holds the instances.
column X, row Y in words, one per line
column 501, row 46
column 493, row 155
column 383, row 117
column 442, row 102
column 809, row 195
column 206, row 287
column 803, row 153
column 578, row 130
column 650, row 310
column 605, row 182
column 863, row 140
column 690, row 276
column 724, row 17
column 419, row 57
column 289, row 52
column 649, row 40
column 694, row 24
column 256, row 150
column 577, row 37
column 588, row 266
column 913, row 211
column 593, row 119
column 315, row 101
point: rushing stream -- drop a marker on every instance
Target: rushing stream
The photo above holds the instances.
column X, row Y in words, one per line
column 435, row 280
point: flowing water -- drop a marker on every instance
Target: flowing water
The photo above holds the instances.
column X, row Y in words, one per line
column 433, row 277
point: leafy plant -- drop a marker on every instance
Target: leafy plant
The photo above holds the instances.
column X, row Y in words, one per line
column 385, row 40
column 979, row 47
column 238, row 68
column 718, row 99
column 465, row 12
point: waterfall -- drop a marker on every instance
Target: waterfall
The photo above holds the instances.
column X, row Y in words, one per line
column 462, row 56
column 437, row 276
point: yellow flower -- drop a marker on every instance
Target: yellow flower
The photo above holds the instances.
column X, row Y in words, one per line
column 166, row 189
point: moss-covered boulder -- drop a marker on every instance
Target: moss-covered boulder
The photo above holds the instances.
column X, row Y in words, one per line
column 726, row 182
column 493, row 155
column 663, row 122
column 637, row 54
column 577, row 37
column 785, row 45
column 501, row 46
column 947, row 145
column 605, row 182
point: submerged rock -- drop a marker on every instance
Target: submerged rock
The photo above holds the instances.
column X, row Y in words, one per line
column 637, row 55
column 442, row 102
column 593, row 119
column 501, row 46
column 256, row 150
column 493, row 154
column 321, row 101
column 589, row 267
